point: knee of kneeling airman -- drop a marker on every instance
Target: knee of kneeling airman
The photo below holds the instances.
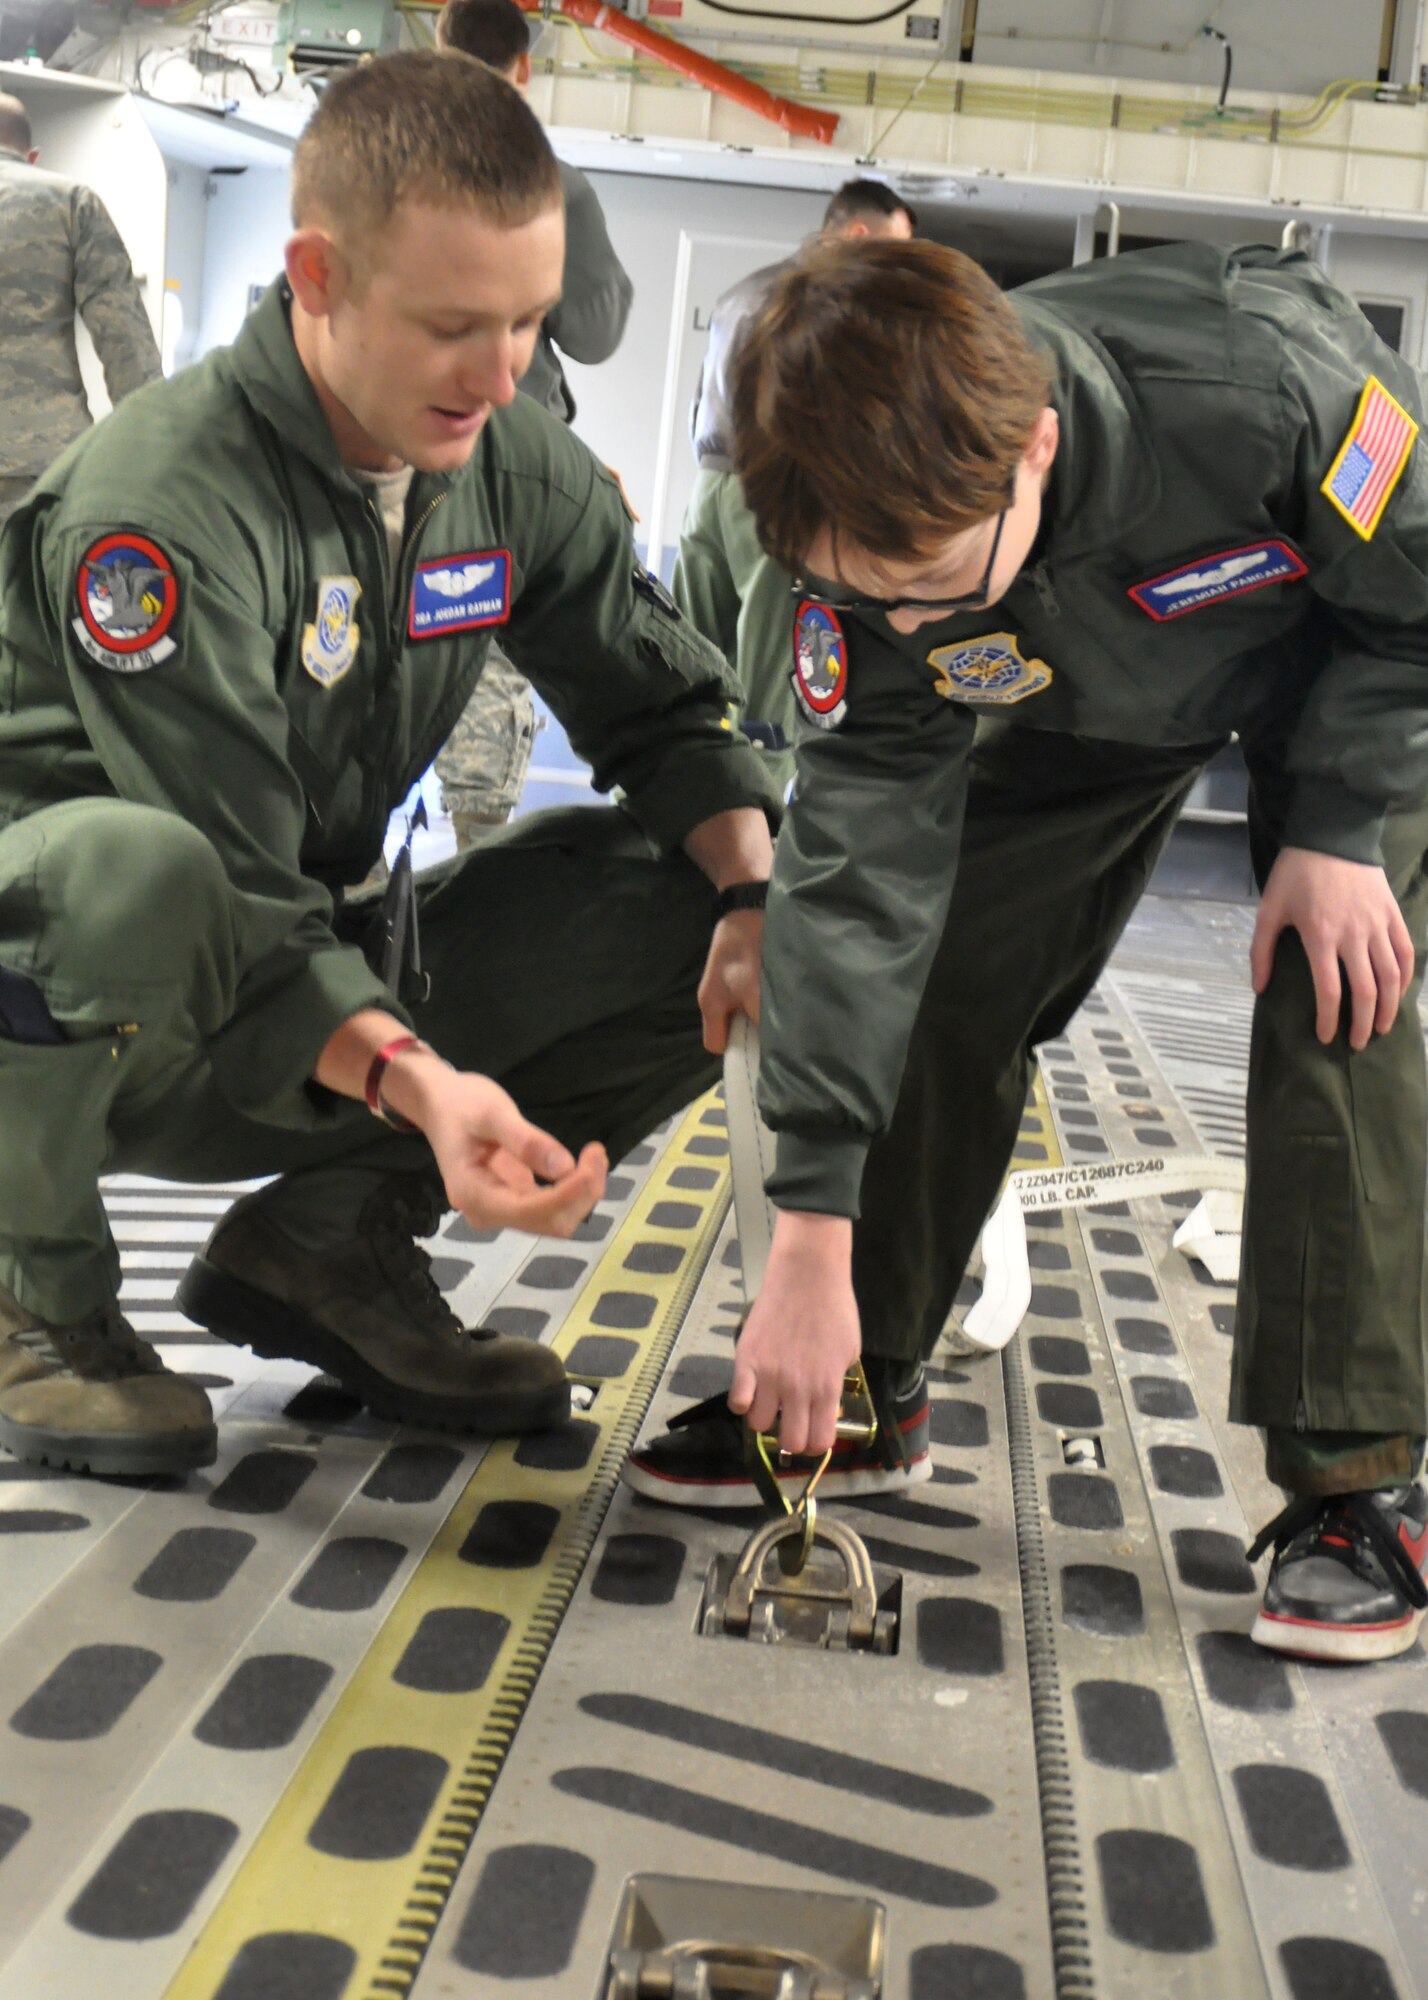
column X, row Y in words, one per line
column 129, row 891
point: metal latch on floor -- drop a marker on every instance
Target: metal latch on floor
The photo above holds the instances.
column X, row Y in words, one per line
column 678, row 1939
column 839, row 1603
column 843, row 1602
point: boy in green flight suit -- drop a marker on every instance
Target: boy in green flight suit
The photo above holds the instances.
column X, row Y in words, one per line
column 238, row 620
column 1066, row 543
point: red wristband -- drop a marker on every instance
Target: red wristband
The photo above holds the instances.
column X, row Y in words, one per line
column 373, row 1092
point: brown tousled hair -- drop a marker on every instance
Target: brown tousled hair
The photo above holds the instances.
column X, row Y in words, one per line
column 886, row 393
column 426, row 125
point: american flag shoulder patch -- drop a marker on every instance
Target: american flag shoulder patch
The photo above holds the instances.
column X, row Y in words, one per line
column 1371, row 459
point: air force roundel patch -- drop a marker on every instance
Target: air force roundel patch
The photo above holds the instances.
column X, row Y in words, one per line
column 820, row 665
column 990, row 669
column 128, row 598
column 460, row 593
column 329, row 644
column 1209, row 579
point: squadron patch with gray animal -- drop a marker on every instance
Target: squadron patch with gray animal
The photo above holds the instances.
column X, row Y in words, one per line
column 820, row 665
column 128, row 598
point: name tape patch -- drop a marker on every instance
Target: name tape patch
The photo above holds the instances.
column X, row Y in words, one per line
column 820, row 665
column 1209, row 579
column 460, row 593
column 128, row 598
column 1371, row 459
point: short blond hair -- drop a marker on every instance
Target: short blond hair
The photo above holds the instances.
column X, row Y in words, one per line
column 420, row 125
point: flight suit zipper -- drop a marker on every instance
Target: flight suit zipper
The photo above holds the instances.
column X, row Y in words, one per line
column 1042, row 585
column 396, row 602
column 409, row 548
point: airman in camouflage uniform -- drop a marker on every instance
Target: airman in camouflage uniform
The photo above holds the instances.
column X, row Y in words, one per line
column 483, row 764
column 61, row 254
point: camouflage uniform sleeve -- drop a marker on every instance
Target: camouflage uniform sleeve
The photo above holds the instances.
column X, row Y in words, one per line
column 108, row 299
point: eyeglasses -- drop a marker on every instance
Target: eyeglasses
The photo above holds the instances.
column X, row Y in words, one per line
column 812, row 591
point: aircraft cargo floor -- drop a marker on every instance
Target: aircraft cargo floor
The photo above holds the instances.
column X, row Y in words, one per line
column 363, row 1712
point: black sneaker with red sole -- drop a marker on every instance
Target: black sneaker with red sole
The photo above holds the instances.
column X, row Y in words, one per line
column 1348, row 1577
column 700, row 1460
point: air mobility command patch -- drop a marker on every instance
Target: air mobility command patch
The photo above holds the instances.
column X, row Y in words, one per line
column 1370, row 460
column 128, row 598
column 329, row 644
column 989, row 669
column 460, row 593
column 820, row 665
column 1207, row 579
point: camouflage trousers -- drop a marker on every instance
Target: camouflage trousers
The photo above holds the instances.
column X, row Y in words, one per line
column 483, row 764
column 12, row 492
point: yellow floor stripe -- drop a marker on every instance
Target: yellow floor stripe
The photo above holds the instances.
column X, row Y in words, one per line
column 387, row 1910
column 1036, row 1123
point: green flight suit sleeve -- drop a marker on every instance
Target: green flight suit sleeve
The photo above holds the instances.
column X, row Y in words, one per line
column 863, row 875
column 1360, row 744
column 642, row 697
column 203, row 733
column 588, row 322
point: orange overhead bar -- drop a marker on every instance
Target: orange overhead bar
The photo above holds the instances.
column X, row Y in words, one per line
column 800, row 119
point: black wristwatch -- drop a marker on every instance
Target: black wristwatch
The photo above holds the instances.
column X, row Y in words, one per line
column 740, row 896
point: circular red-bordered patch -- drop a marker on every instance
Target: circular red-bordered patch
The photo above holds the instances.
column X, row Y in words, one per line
column 820, row 654
column 127, row 592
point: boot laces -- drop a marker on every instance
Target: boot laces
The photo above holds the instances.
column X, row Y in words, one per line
column 1347, row 1528
column 402, row 1212
column 102, row 1347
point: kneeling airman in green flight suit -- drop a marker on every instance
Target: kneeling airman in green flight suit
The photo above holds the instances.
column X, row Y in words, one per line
column 238, row 620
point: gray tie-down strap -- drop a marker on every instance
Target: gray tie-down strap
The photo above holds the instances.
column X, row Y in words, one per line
column 751, row 1152
column 1211, row 1233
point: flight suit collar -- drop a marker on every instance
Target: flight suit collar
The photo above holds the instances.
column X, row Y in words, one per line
column 1105, row 475
column 270, row 373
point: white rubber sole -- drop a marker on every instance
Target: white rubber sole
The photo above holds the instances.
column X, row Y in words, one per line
column 956, row 1344
column 744, row 1494
column 1310, row 1641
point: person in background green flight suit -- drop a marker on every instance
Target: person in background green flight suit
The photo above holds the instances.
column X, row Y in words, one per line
column 483, row 764
column 723, row 582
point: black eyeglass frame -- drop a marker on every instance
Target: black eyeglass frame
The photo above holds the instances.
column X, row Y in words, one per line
column 973, row 600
